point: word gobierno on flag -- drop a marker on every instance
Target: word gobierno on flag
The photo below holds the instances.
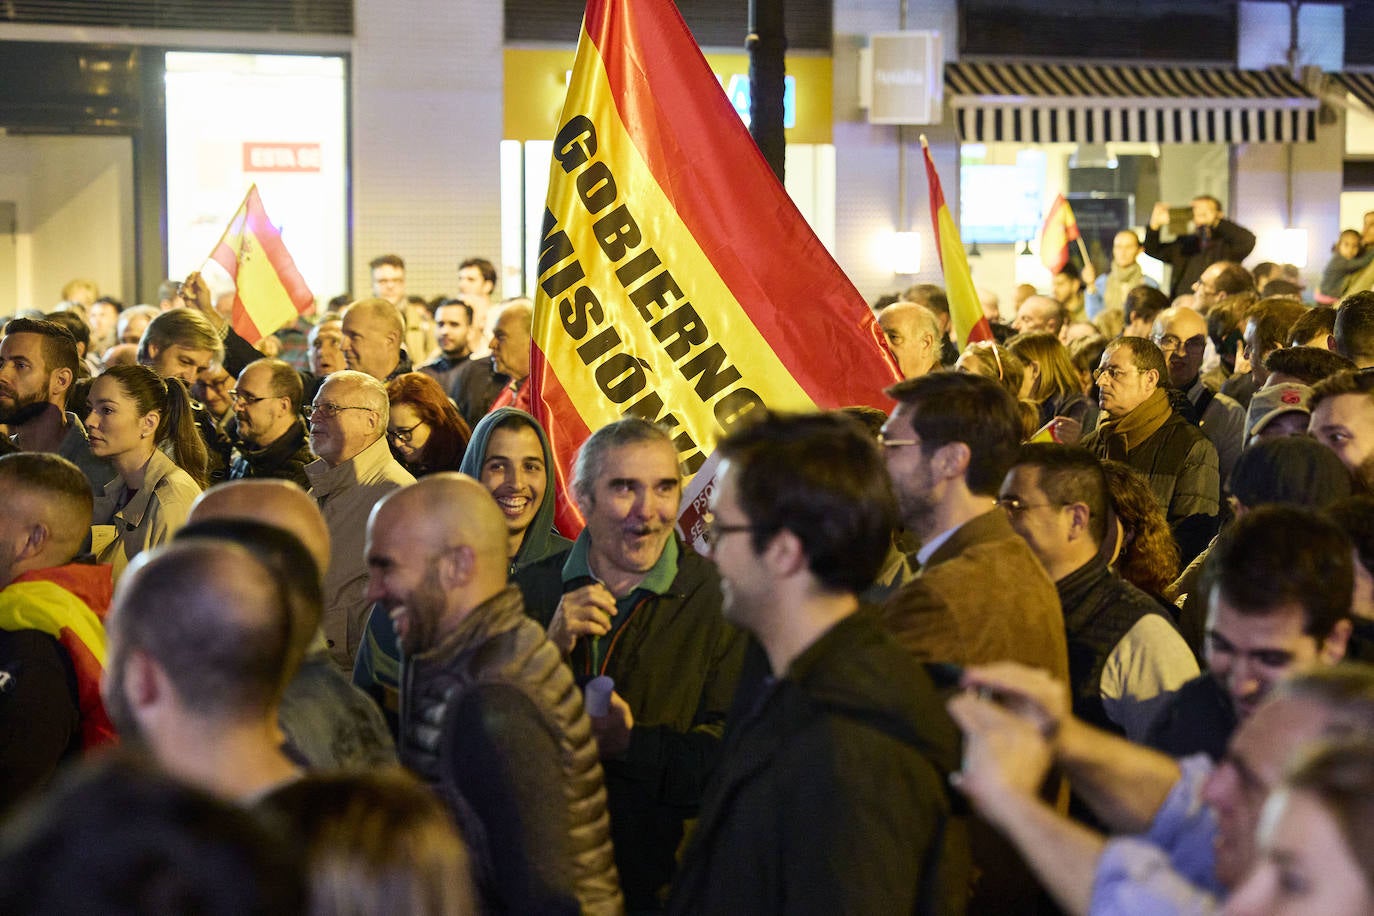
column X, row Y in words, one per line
column 676, row 279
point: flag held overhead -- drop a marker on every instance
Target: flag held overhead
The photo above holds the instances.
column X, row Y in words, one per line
column 269, row 292
column 676, row 280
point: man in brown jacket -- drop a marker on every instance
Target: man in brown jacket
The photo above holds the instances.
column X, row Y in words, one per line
column 980, row 595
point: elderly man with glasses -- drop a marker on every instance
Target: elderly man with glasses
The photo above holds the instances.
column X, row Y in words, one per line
column 270, row 438
column 1181, row 335
column 355, row 469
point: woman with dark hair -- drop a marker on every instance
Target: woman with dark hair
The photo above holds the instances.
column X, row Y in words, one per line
column 1145, row 552
column 1052, row 383
column 135, row 416
column 426, row 432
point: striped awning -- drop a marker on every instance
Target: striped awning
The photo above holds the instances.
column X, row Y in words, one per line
column 1360, row 85
column 1085, row 103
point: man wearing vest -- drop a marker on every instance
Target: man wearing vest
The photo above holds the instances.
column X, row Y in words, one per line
column 52, row 641
column 1126, row 657
column 489, row 714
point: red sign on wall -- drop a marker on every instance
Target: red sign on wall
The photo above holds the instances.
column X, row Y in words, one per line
column 281, row 157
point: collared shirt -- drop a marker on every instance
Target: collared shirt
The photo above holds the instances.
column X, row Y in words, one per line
column 928, row 549
column 656, row 581
column 1170, row 870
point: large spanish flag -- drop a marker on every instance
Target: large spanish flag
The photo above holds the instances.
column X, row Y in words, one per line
column 677, row 281
column 965, row 309
column 269, row 292
column 1059, row 230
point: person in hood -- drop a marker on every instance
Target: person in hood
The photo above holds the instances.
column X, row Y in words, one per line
column 510, row 454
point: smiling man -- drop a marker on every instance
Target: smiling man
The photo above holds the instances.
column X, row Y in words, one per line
column 513, row 754
column 1143, row 430
column 642, row 608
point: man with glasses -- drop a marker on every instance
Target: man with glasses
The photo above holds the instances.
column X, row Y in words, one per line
column 981, row 596
column 1126, row 657
column 802, row 514
column 1143, row 430
column 1181, row 335
column 355, row 469
column 270, row 436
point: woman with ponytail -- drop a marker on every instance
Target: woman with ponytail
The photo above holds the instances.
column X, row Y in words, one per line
column 144, row 426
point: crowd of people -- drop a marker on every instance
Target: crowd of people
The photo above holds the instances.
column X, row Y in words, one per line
column 1079, row 626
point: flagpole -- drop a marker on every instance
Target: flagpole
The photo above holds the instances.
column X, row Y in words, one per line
column 1083, row 249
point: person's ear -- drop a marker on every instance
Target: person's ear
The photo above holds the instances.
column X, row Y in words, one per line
column 1333, row 647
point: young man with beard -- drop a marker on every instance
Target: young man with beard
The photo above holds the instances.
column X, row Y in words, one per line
column 981, row 596
column 38, row 363
column 1343, row 420
column 489, row 715
column 834, row 714
column 452, row 323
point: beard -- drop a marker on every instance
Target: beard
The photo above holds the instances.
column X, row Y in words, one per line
column 25, row 409
column 423, row 608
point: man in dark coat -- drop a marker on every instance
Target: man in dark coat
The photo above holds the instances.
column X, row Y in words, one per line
column 830, row 796
column 644, row 610
column 1212, row 239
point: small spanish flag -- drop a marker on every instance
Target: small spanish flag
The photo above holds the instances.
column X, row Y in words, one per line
column 965, row 309
column 1059, row 231
column 269, row 292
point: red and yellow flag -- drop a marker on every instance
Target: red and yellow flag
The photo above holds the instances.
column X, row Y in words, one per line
column 1060, row 229
column 677, row 281
column 965, row 309
column 268, row 289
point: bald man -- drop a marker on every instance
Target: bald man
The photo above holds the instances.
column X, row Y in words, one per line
column 373, row 335
column 328, row 723
column 514, row 750
column 913, row 336
column 1181, row 334
column 198, row 657
column 1039, row 313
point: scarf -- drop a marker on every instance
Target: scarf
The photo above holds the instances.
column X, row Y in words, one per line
column 1121, row 281
column 1126, row 435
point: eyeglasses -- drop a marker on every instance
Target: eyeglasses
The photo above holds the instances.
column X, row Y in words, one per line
column 329, row 411
column 713, row 532
column 236, row 396
column 1168, row 343
column 885, row 442
column 402, row 434
column 1115, row 373
column 1014, row 506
